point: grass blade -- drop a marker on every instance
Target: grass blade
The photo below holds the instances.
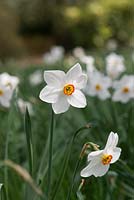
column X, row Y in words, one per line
column 27, row 126
column 2, row 192
column 66, row 160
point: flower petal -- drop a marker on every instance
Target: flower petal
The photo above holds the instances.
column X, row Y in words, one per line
column 104, row 94
column 94, row 154
column 61, row 105
column 49, row 94
column 81, row 81
column 54, row 78
column 74, row 73
column 116, row 154
column 112, row 141
column 88, row 171
column 100, row 169
column 77, row 99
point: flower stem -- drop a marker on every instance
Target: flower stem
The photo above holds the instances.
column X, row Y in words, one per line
column 82, row 153
column 50, row 155
column 72, row 183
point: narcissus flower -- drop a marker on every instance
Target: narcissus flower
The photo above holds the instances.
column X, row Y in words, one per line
column 78, row 52
column 5, row 95
column 124, row 89
column 54, row 55
column 63, row 90
column 114, row 65
column 8, row 80
column 99, row 161
column 98, row 85
column 36, row 78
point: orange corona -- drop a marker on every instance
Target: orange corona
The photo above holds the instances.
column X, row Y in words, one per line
column 68, row 89
column 106, row 159
column 1, row 92
column 125, row 90
column 98, row 87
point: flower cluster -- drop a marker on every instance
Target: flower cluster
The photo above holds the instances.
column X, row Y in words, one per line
column 63, row 90
column 8, row 84
column 98, row 83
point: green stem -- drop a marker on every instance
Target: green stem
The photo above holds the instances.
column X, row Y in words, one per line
column 6, row 169
column 82, row 153
column 72, row 182
column 50, row 155
column 66, row 159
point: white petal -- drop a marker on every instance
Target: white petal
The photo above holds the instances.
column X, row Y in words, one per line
column 100, row 169
column 5, row 102
column 116, row 154
column 112, row 141
column 94, row 154
column 61, row 105
column 74, row 73
column 54, row 78
column 117, row 96
column 88, row 171
column 81, row 81
column 77, row 99
column 104, row 94
column 49, row 94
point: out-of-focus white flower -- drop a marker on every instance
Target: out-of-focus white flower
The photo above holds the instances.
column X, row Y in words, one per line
column 5, row 95
column 124, row 89
column 63, row 90
column 98, row 85
column 78, row 52
column 8, row 80
column 23, row 104
column 36, row 78
column 99, row 161
column 114, row 65
column 56, row 53
column 88, row 60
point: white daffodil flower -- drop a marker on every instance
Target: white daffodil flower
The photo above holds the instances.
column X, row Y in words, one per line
column 114, row 65
column 56, row 53
column 36, row 78
column 124, row 89
column 78, row 52
column 8, row 80
column 5, row 95
column 98, row 85
column 99, row 161
column 63, row 90
column 88, row 60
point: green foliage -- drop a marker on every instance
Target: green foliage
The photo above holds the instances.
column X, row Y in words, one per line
column 89, row 24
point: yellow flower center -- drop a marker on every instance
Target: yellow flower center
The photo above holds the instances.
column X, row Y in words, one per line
column 1, row 92
column 98, row 87
column 68, row 89
column 125, row 90
column 106, row 159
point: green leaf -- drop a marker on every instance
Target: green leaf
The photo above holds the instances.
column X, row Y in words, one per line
column 66, row 159
column 2, row 192
column 27, row 126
